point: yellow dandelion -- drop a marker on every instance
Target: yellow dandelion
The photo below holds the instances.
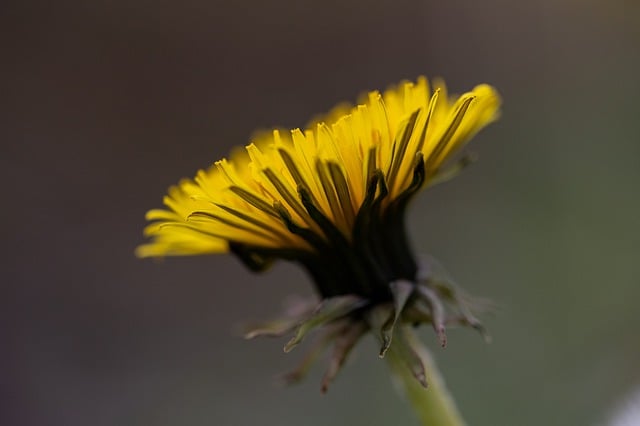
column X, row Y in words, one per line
column 332, row 198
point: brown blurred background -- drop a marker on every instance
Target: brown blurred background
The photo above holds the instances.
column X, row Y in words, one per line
column 106, row 103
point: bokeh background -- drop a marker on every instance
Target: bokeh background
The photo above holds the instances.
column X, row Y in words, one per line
column 106, row 103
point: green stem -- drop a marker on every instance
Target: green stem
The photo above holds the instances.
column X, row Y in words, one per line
column 434, row 406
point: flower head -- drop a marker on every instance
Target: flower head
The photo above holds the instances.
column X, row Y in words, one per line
column 332, row 198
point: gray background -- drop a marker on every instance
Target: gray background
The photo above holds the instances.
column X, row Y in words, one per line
column 107, row 103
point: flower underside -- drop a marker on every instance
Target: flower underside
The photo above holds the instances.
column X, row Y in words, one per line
column 376, row 254
column 433, row 298
column 333, row 199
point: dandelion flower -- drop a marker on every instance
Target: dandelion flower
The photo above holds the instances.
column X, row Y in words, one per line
column 332, row 198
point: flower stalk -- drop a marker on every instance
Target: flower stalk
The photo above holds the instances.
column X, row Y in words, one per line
column 433, row 405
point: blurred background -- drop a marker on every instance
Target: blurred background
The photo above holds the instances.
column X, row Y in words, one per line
column 107, row 103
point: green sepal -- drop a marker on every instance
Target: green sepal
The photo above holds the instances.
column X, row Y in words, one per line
column 402, row 291
column 329, row 310
column 343, row 344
